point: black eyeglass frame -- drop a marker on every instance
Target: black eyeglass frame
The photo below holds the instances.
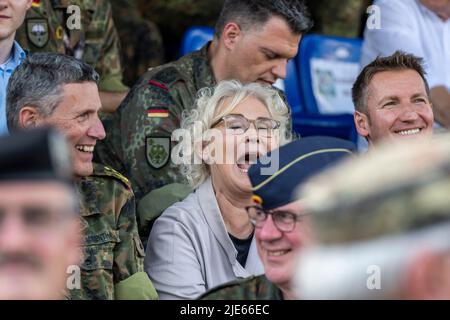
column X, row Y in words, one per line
column 249, row 122
column 276, row 217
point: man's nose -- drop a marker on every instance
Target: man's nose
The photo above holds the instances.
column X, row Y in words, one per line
column 269, row 231
column 13, row 235
column 97, row 130
column 408, row 113
column 279, row 69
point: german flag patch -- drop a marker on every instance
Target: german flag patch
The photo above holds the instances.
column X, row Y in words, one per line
column 157, row 112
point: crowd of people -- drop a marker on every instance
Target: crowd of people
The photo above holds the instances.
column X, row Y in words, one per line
column 193, row 185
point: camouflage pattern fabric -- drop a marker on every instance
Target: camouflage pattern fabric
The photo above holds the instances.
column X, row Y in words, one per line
column 253, row 288
column 174, row 17
column 338, row 17
column 140, row 39
column 49, row 28
column 393, row 189
column 112, row 250
column 138, row 135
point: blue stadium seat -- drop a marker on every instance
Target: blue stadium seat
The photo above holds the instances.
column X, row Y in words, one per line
column 292, row 88
column 195, row 38
column 327, row 68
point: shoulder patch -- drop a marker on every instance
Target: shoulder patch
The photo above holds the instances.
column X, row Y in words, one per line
column 157, row 151
column 37, row 31
column 105, row 171
column 167, row 76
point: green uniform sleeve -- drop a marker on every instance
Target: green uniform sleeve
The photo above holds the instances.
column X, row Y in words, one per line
column 136, row 287
column 103, row 32
column 155, row 202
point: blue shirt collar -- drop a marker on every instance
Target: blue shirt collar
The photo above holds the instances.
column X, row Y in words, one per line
column 17, row 56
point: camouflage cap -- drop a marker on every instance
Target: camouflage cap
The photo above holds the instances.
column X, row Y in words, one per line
column 390, row 190
column 37, row 154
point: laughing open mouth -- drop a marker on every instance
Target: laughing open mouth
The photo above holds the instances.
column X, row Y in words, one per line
column 244, row 162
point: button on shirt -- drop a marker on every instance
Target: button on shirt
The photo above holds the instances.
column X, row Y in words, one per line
column 6, row 69
column 409, row 26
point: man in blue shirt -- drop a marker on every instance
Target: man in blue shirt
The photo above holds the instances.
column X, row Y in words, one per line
column 12, row 14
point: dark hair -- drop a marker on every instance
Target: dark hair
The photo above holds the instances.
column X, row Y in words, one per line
column 254, row 13
column 397, row 61
column 38, row 82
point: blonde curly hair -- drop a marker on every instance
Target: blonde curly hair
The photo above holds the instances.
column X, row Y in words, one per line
column 208, row 109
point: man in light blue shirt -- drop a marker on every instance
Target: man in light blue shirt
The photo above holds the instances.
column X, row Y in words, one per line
column 12, row 14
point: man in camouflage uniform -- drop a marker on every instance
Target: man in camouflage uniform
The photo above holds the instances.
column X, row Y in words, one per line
column 57, row 90
column 140, row 39
column 281, row 224
column 253, row 41
column 83, row 29
column 382, row 226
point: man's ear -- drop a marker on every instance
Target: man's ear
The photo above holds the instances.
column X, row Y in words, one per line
column 29, row 3
column 362, row 123
column 231, row 34
column 28, row 117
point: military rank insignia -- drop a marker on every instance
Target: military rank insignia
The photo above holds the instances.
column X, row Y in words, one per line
column 59, row 33
column 37, row 31
column 157, row 151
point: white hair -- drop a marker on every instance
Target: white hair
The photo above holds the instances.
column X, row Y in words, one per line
column 344, row 271
column 196, row 124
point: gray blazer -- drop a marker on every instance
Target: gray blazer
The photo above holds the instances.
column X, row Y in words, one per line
column 189, row 250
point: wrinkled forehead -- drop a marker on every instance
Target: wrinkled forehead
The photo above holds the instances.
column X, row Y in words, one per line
column 296, row 207
column 29, row 192
column 80, row 95
column 395, row 83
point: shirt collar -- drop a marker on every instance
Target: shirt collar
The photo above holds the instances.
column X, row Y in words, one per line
column 16, row 57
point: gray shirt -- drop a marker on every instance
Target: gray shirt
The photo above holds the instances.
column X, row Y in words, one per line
column 189, row 250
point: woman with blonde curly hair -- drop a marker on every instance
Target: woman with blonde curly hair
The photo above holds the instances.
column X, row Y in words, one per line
column 207, row 239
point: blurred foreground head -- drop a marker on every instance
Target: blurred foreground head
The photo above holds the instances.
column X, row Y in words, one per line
column 382, row 226
column 39, row 235
column 282, row 226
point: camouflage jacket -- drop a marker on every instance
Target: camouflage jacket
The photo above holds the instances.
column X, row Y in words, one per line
column 252, row 288
column 53, row 26
column 140, row 40
column 138, row 135
column 112, row 250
